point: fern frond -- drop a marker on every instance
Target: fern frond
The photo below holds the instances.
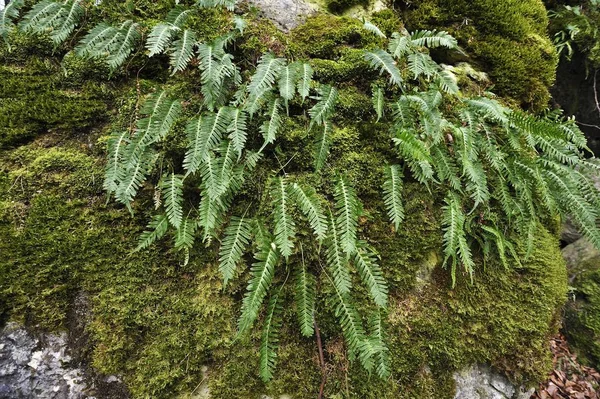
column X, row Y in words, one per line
column 348, row 208
column 421, row 64
column 287, row 81
column 378, row 102
column 351, row 323
column 185, row 234
column 325, row 106
column 182, row 51
column 371, row 274
column 399, row 45
column 262, row 275
column 305, row 294
column 392, row 194
column 447, row 81
column 270, row 339
column 211, row 213
column 455, row 240
column 378, row 339
column 235, row 241
column 433, row 39
column 369, row 26
column 159, row 39
column 272, row 125
column 157, row 229
column 309, row 203
column 127, row 39
column 225, row 166
column 116, row 147
column 134, row 175
column 228, row 4
column 322, row 145
column 178, row 16
column 383, row 61
column 267, row 72
column 7, row 17
column 306, row 75
column 204, row 135
column 335, row 259
column 58, row 19
column 285, row 228
column 171, row 187
column 238, row 130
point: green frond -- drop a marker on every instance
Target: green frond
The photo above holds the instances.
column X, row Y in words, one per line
column 378, row 340
column 171, row 187
column 178, row 16
column 116, row 146
column 238, row 130
column 352, row 326
column 270, row 339
column 57, row 19
column 268, row 70
column 134, row 175
column 447, row 81
column 336, row 261
column 325, row 106
column 262, row 275
column 7, row 17
column 255, row 102
column 416, row 153
column 383, row 61
column 399, row 45
column 209, row 170
column 157, row 229
column 287, row 81
column 445, row 167
column 433, row 39
column 322, row 145
column 159, row 39
column 348, row 209
column 455, row 240
column 307, row 199
column 186, row 234
column 303, row 85
column 225, row 167
column 236, row 238
column 127, row 38
column 211, row 214
column 285, row 228
column 403, row 114
column 371, row 274
column 228, row 4
column 182, row 51
column 489, row 108
column 272, row 124
column 305, row 296
column 421, row 64
column 378, row 102
column 369, row 26
column 392, row 194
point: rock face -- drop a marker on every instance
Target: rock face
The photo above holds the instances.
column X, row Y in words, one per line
column 287, row 14
column 481, row 382
column 30, row 368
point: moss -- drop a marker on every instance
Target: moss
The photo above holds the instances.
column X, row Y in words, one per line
column 509, row 39
column 343, row 5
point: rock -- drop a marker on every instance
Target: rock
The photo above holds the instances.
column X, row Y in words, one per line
column 481, row 382
column 287, row 14
column 579, row 254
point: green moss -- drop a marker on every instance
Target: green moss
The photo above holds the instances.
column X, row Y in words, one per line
column 509, row 39
column 342, row 5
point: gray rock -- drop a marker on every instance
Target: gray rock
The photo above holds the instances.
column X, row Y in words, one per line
column 579, row 254
column 481, row 382
column 287, row 14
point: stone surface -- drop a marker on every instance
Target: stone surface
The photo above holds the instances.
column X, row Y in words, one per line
column 287, row 14
column 481, row 382
column 577, row 255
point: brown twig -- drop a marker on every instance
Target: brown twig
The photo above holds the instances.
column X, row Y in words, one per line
column 321, row 359
column 596, row 91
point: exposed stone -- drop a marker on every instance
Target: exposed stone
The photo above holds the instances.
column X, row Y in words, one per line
column 287, row 14
column 481, row 382
column 577, row 255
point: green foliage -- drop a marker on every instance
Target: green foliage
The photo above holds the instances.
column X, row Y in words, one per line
column 58, row 19
column 236, row 238
column 270, row 338
column 392, row 188
column 7, row 17
column 305, row 293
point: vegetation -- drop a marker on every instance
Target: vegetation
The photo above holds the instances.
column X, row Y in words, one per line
column 267, row 159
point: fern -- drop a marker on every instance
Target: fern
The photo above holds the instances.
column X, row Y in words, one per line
column 284, row 222
column 178, row 16
column 305, row 294
column 322, row 145
column 58, row 19
column 172, row 189
column 159, row 39
column 287, row 82
column 455, row 240
column 335, row 259
column 371, row 274
column 185, row 234
column 378, row 102
column 369, row 26
column 433, row 39
column 238, row 130
column 270, row 338
column 228, row 4
column 116, row 146
column 235, row 241
column 272, row 125
column 348, row 209
column 7, row 17
column 134, row 176
column 182, row 51
column 262, row 274
column 157, row 229
column 305, row 80
column 308, row 201
column 267, row 72
column 378, row 339
column 383, row 61
column 325, row 106
column 392, row 189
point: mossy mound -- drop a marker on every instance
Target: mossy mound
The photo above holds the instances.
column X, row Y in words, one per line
column 509, row 39
column 169, row 327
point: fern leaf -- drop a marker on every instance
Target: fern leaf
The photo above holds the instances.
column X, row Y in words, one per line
column 166, row 116
column 58, row 19
column 351, row 323
column 182, row 51
column 371, row 274
column 378, row 102
column 399, row 45
column 238, row 130
column 325, row 105
column 455, row 241
column 262, row 275
column 134, row 176
column 211, row 213
column 306, row 75
column 116, row 146
column 383, row 61
column 270, row 339
column 369, row 26
column 45, row 10
column 159, row 39
column 392, row 190
column 193, row 156
column 308, row 201
column 421, row 64
column 267, row 71
column 172, row 189
column 235, row 241
column 447, row 81
column 272, row 125
column 433, row 39
column 378, row 339
column 256, row 101
column 128, row 37
column 284, row 222
column 287, row 81
column 348, row 208
column 305, row 294
column 178, row 16
column 7, row 17
column 228, row 4
column 335, row 259
column 204, row 135
column 225, row 167
column 157, row 229
column 185, row 235
column 322, row 145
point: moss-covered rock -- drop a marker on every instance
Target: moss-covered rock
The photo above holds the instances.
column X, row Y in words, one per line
column 509, row 39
